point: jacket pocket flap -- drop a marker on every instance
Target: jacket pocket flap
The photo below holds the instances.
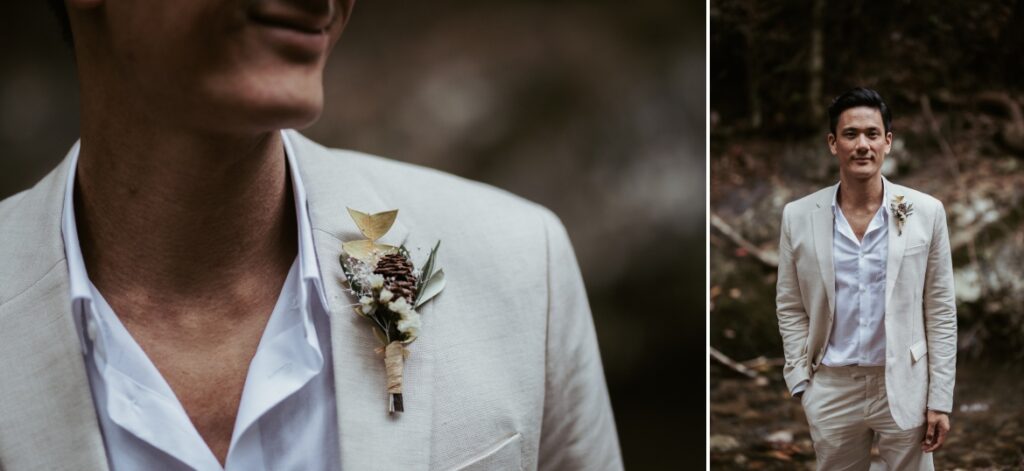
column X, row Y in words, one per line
column 918, row 350
column 915, row 249
column 506, row 454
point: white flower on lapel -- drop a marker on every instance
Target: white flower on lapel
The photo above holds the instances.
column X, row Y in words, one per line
column 389, row 290
column 901, row 210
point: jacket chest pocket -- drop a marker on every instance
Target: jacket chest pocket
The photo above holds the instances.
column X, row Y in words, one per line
column 915, row 250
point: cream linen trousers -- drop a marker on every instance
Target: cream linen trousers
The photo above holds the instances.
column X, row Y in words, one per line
column 845, row 407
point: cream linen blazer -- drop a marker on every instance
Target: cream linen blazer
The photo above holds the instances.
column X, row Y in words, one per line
column 920, row 305
column 506, row 374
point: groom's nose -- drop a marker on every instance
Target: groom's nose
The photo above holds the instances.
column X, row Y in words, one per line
column 862, row 143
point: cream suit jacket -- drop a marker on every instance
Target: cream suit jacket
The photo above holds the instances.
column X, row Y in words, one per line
column 920, row 306
column 506, row 373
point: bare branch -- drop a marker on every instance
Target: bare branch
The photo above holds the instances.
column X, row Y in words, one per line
column 767, row 257
column 733, row 364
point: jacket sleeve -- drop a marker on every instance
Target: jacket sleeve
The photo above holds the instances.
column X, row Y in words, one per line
column 789, row 307
column 578, row 428
column 940, row 317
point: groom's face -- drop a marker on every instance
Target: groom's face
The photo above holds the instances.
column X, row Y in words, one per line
column 860, row 143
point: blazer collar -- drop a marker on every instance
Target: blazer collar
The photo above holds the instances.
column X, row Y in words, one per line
column 369, row 437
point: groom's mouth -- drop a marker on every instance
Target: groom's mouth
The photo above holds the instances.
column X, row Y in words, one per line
column 297, row 33
column 296, row 22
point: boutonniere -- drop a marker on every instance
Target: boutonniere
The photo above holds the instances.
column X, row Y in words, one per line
column 389, row 289
column 902, row 210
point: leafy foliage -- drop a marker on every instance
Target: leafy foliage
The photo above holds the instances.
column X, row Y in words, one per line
column 761, row 53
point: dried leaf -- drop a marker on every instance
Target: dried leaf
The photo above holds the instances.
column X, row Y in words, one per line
column 779, row 455
column 373, row 226
column 367, row 251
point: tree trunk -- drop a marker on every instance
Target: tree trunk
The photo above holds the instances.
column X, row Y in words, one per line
column 752, row 64
column 816, row 64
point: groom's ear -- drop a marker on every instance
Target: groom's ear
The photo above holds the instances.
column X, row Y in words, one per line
column 831, row 141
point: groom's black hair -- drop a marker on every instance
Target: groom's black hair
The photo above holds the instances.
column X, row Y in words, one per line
column 858, row 97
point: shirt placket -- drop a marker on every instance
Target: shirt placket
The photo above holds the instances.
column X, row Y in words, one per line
column 865, row 275
column 863, row 300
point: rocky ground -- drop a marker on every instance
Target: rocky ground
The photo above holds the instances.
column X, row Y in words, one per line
column 756, row 425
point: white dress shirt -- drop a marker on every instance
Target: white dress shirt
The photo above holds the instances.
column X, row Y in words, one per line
column 858, row 330
column 286, row 418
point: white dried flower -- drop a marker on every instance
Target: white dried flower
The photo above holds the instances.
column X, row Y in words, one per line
column 409, row 314
column 385, row 295
column 366, row 305
column 410, row 324
column 376, row 281
column 400, row 307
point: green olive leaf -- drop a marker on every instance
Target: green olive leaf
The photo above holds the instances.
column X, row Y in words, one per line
column 431, row 288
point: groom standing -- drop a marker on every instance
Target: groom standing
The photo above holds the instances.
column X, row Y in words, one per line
column 866, row 304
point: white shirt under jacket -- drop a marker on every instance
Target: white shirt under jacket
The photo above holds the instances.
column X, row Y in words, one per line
column 286, row 419
column 858, row 331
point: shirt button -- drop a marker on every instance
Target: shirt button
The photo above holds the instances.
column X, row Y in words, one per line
column 90, row 329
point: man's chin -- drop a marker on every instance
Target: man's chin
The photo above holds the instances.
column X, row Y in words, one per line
column 251, row 117
column 258, row 103
column 862, row 174
column 300, row 118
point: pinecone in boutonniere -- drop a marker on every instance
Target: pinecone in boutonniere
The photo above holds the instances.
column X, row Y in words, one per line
column 389, row 289
column 398, row 275
column 901, row 210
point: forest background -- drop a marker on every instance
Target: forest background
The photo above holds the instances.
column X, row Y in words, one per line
column 951, row 72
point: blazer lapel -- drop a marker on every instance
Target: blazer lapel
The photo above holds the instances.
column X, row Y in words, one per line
column 45, row 392
column 897, row 245
column 47, row 416
column 369, row 437
column 822, row 223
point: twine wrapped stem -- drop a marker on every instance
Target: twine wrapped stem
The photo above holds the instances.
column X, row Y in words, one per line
column 394, row 362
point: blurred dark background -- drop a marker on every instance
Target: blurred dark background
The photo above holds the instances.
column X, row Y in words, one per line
column 951, row 73
column 595, row 109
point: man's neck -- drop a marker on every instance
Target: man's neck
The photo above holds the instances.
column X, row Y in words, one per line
column 859, row 194
column 166, row 217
